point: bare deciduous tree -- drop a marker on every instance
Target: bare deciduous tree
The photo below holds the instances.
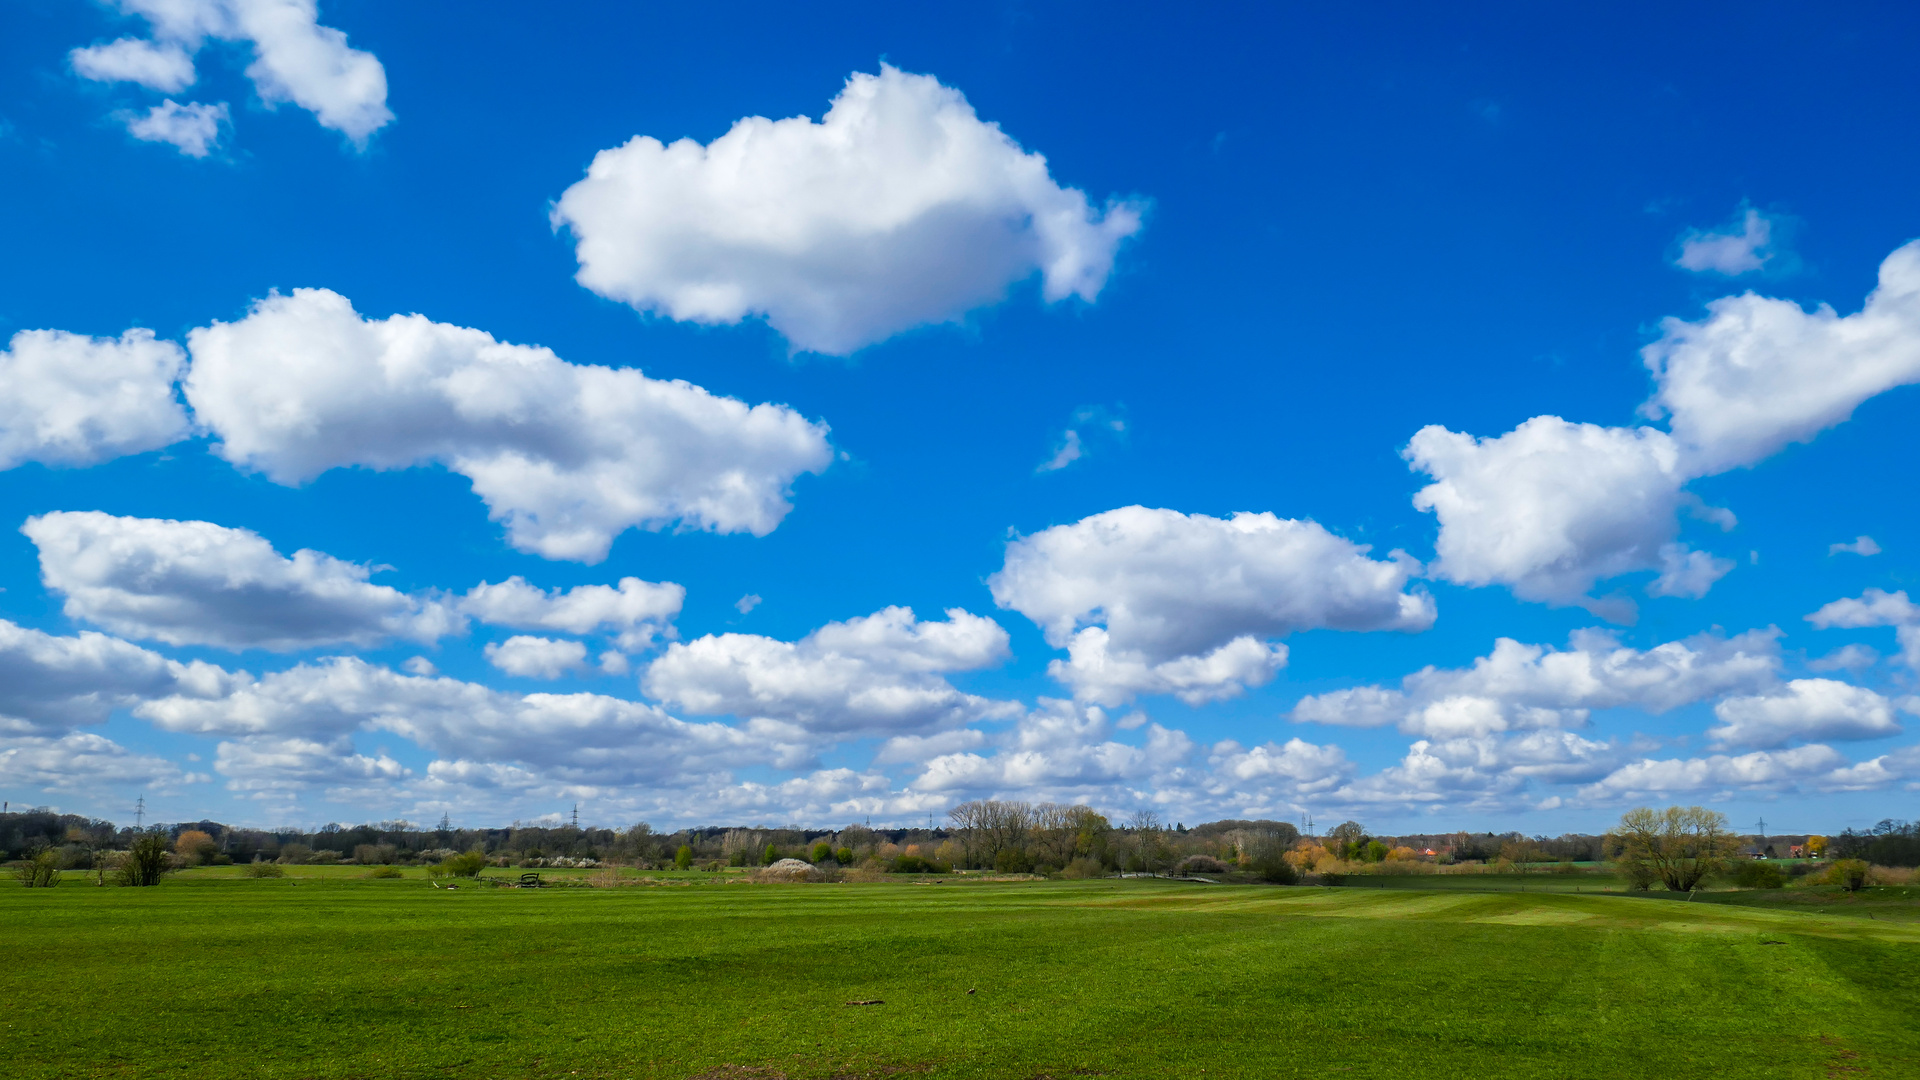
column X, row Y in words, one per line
column 147, row 860
column 40, row 870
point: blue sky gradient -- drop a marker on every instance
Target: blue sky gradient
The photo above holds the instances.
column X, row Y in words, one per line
column 1356, row 224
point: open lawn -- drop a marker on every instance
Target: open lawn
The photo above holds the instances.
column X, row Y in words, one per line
column 327, row 974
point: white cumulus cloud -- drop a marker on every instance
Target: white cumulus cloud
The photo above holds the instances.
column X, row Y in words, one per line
column 193, row 129
column 1877, row 607
column 567, row 455
column 475, row 730
column 82, row 761
column 536, row 657
column 68, row 399
column 1552, row 508
column 162, row 66
column 1809, row 709
column 295, row 59
column 1521, row 687
column 880, row 673
column 635, row 611
column 1758, row 373
column 198, row 583
column 1156, row 601
column 898, row 209
column 50, row 684
column 1766, row 771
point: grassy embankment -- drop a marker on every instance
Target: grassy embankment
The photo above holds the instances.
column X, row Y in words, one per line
column 326, row 974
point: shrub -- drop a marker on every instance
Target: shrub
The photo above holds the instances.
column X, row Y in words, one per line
column 264, row 870
column 789, row 870
column 771, row 856
column 1849, row 874
column 1759, row 875
column 386, row 872
column 821, row 852
column 195, row 847
column 41, row 870
column 146, row 861
column 683, row 858
column 1375, row 851
column 1200, row 864
column 1083, row 867
column 843, row 855
column 294, row 854
column 467, row 865
column 915, row 864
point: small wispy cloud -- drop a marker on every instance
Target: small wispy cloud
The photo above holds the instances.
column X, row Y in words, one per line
column 1091, row 426
column 1862, row 545
column 1750, row 244
column 747, row 603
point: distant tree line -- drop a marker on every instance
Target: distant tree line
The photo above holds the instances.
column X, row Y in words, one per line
column 993, row 835
column 1890, row 843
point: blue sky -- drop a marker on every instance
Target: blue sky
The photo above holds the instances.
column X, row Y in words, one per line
column 1207, row 263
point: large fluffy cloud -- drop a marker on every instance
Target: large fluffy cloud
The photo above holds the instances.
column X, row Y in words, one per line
column 1552, row 508
column 1156, row 601
column 568, row 455
column 67, row 399
column 900, row 208
column 1810, row 709
column 197, row 583
column 295, row 59
column 1759, row 373
column 880, row 673
column 84, row 762
column 1525, row 687
column 50, row 684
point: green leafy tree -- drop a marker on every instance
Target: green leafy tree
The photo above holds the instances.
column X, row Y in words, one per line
column 683, row 858
column 1680, row 846
column 822, row 851
column 770, row 856
column 843, row 856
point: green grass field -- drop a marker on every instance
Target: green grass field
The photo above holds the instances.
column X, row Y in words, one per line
column 327, row 974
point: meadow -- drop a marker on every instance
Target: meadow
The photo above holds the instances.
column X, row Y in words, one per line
column 326, row 973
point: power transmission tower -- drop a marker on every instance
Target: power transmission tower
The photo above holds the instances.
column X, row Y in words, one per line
column 139, row 813
column 576, row 817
